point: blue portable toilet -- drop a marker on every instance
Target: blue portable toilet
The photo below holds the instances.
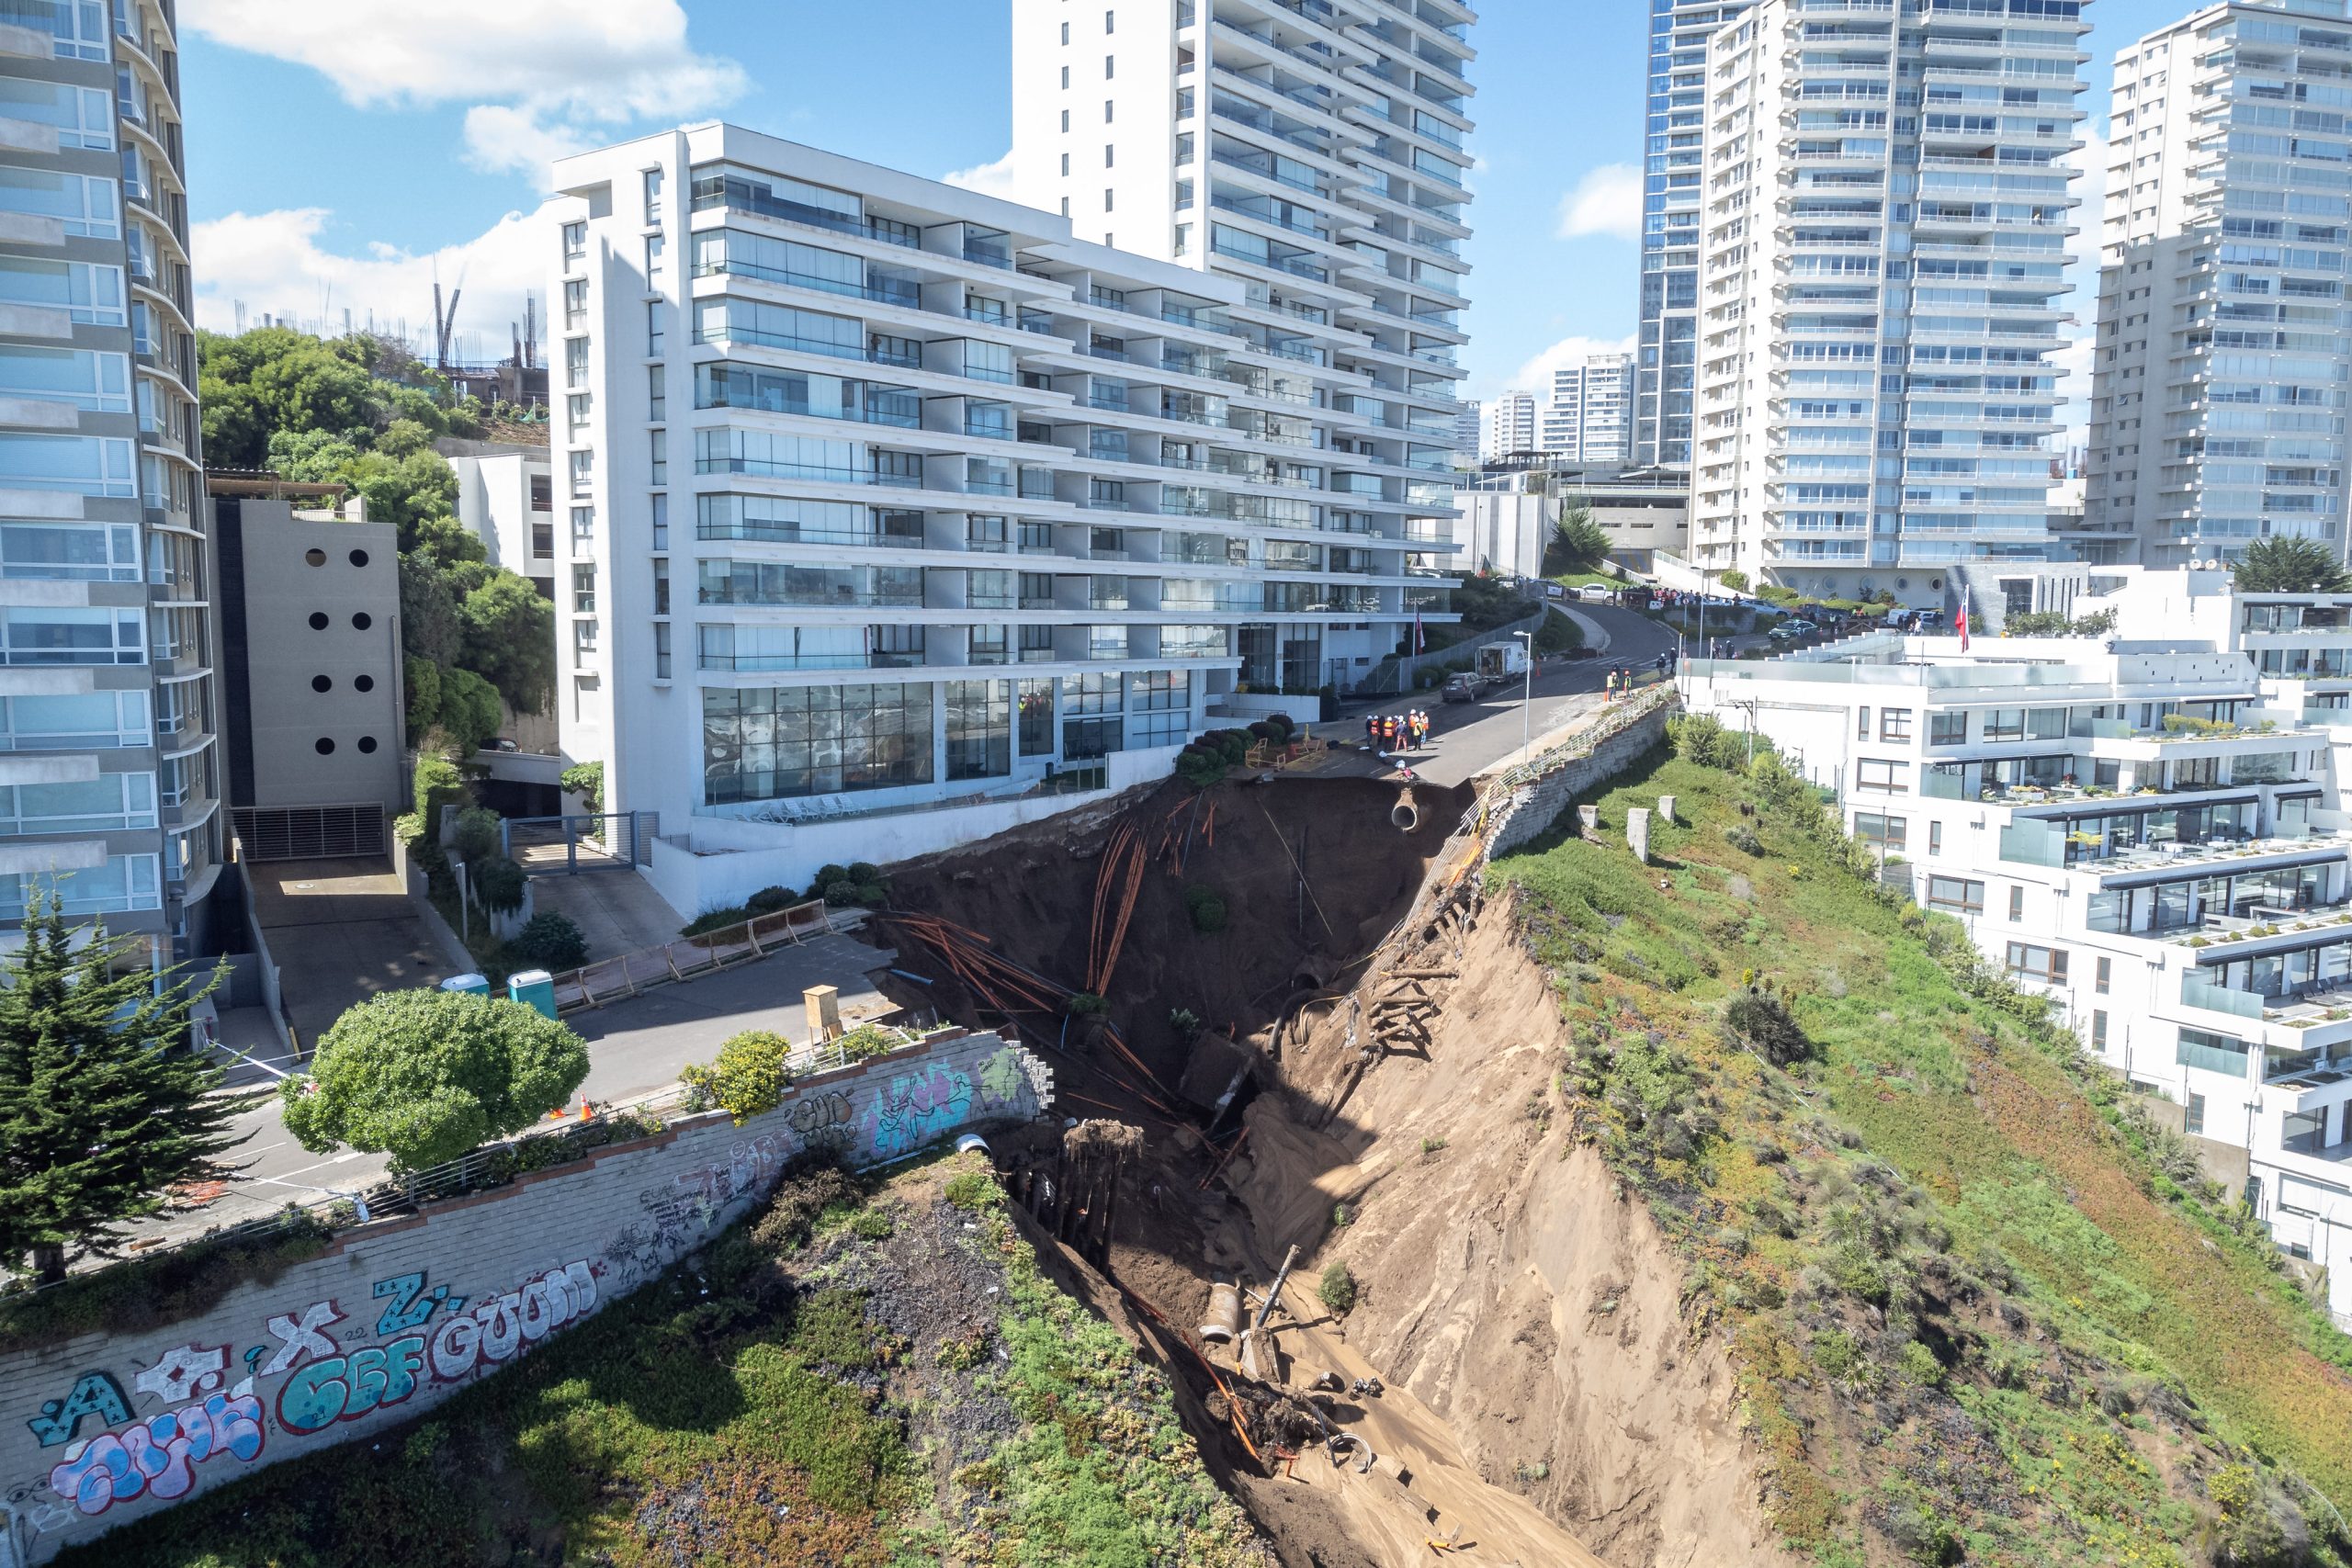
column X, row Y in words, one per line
column 532, row 988
column 467, row 985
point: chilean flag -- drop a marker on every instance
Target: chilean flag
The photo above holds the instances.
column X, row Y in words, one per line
column 1963, row 618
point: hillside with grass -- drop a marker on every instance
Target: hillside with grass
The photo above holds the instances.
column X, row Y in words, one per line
column 1979, row 1308
column 862, row 1375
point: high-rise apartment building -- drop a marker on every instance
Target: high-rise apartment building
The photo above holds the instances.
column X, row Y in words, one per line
column 1589, row 418
column 1666, row 355
column 1312, row 151
column 872, row 492
column 2218, row 385
column 1506, row 425
column 1466, row 425
column 1882, row 264
column 108, row 778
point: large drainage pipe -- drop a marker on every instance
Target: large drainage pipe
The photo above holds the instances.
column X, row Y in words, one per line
column 1223, row 1320
column 1406, row 815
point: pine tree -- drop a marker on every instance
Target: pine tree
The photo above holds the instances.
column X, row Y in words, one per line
column 102, row 1103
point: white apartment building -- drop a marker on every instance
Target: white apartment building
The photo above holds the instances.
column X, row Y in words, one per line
column 1506, row 425
column 880, row 494
column 1674, row 115
column 109, row 777
column 1311, row 151
column 2218, row 385
column 506, row 498
column 1884, row 222
column 1466, row 425
column 2151, row 829
column 1590, row 417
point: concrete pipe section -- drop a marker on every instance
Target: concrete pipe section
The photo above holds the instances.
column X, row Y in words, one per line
column 1223, row 1320
column 1405, row 814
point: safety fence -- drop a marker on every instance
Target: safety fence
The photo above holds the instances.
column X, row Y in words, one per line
column 631, row 974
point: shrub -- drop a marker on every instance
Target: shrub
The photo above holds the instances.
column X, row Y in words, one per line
column 437, row 783
column 748, row 1076
column 478, row 833
column 711, row 920
column 1759, row 1021
column 827, row 876
column 1431, row 1145
column 972, row 1189
column 768, row 900
column 1701, row 739
column 1743, row 838
column 585, row 779
column 1086, row 1003
column 1735, row 580
column 1338, row 1288
column 1199, row 768
column 864, row 871
column 496, row 884
column 867, row 1040
column 1206, row 908
column 552, row 940
column 426, row 1075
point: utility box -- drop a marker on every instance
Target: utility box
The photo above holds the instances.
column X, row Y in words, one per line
column 467, row 985
column 533, row 988
column 824, row 1005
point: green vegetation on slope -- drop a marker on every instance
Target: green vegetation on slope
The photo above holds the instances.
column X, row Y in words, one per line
column 854, row 1377
column 1983, row 1312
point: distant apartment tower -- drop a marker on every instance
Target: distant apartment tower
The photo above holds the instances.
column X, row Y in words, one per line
column 1589, row 418
column 881, row 492
column 1506, row 425
column 1313, row 152
column 1466, row 424
column 1667, row 362
column 1881, row 272
column 110, row 782
column 2218, row 385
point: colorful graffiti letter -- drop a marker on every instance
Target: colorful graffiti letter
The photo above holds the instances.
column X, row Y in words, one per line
column 159, row 1454
column 181, row 1374
column 299, row 1338
column 93, row 1394
column 917, row 1108
column 345, row 1388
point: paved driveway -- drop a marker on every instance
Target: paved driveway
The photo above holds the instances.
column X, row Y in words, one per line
column 342, row 930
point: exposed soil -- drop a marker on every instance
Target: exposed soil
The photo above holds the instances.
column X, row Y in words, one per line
column 1543, row 1400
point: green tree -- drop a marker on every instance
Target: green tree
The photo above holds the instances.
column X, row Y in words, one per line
column 470, row 711
column 585, row 779
column 749, row 1078
column 2285, row 564
column 510, row 637
column 1582, row 543
column 102, row 1104
column 275, row 378
column 312, row 457
column 426, row 1075
column 1735, row 580
column 404, row 490
column 422, row 679
column 432, row 627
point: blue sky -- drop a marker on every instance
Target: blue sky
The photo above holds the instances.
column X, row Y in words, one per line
column 382, row 138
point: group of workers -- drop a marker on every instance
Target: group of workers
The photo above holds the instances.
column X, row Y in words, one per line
column 1393, row 731
column 1619, row 680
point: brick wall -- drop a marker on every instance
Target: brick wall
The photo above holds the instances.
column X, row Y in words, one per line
column 395, row 1317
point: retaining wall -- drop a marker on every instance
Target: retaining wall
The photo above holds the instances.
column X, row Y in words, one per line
column 394, row 1317
column 1532, row 805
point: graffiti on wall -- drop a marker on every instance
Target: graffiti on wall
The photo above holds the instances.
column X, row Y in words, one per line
column 155, row 1425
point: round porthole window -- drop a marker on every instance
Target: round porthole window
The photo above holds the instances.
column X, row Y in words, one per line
column 364, row 683
column 323, row 746
column 315, row 556
column 362, row 621
column 322, row 682
column 318, row 620
column 359, row 558
column 367, row 743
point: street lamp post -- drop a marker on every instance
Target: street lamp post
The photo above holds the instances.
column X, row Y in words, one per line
column 1527, row 701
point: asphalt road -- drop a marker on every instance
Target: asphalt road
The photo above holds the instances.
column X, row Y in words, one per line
column 1465, row 739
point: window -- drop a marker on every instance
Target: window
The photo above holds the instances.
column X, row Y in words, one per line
column 575, row 407
column 584, row 530
column 1065, row 78
column 655, row 247
column 657, row 392
column 1065, row 113
column 83, row 116
column 2030, row 961
column 2017, row 903
column 653, row 196
column 653, row 328
column 1110, row 156
column 660, row 511
column 1109, row 21
column 93, row 720
column 584, row 590
column 575, row 244
column 1861, row 723
column 1871, row 828
column 767, row 743
column 1878, row 778
column 95, row 382
column 110, row 803
column 575, row 301
column 661, row 585
column 1110, row 68
column 660, row 651
column 124, row 882
column 1065, row 32
column 1107, row 194
column 979, row 728
column 2005, row 724
column 2212, row 1052
column 2098, row 1028
column 583, row 642
column 2102, row 976
column 86, row 464
column 1894, row 724
column 88, row 294
column 584, row 473
column 60, row 635
column 1956, row 894
column 2194, row 1122
column 1065, row 165
column 86, row 204
column 659, row 443
column 575, row 361
column 1935, row 837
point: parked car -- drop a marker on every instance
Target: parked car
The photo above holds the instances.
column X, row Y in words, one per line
column 1789, row 631
column 1462, row 686
column 1596, row 593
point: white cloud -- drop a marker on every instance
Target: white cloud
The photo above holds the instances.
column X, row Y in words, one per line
column 1535, row 376
column 273, row 264
column 1608, row 200
column 989, row 179
column 545, row 77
